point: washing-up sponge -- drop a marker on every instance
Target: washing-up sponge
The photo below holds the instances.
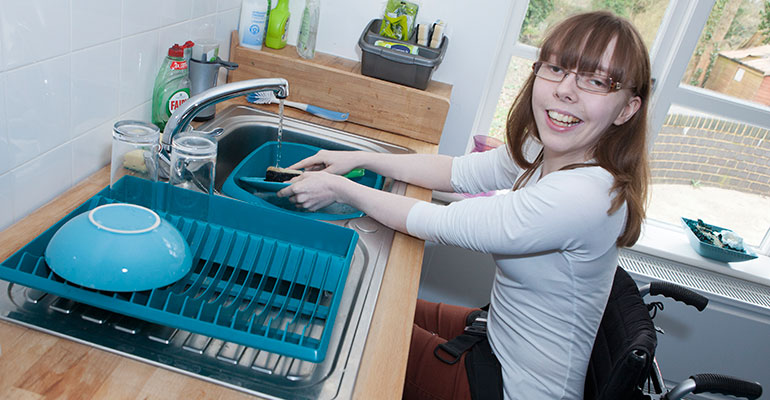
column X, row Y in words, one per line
column 276, row 174
column 423, row 30
column 437, row 34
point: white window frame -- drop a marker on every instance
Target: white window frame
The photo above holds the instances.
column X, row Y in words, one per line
column 674, row 45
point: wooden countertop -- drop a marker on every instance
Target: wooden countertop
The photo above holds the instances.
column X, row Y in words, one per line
column 35, row 365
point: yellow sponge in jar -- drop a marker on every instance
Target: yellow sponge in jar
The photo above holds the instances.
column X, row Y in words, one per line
column 134, row 161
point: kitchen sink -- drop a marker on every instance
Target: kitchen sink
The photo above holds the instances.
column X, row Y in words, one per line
column 251, row 370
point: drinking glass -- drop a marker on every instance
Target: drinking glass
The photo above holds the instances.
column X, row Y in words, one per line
column 193, row 160
column 135, row 147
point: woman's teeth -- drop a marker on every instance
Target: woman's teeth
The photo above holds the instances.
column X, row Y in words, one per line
column 562, row 119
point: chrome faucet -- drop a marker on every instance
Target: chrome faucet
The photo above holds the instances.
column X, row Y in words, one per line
column 183, row 115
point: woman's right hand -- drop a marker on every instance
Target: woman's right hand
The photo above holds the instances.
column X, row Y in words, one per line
column 333, row 162
column 313, row 190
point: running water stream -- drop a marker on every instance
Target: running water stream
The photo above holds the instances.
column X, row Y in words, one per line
column 280, row 134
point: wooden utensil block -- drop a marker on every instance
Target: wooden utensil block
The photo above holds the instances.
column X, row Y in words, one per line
column 337, row 84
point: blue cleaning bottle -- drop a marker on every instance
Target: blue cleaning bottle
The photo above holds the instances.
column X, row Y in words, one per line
column 253, row 23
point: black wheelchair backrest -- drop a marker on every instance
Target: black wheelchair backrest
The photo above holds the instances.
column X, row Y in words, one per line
column 624, row 347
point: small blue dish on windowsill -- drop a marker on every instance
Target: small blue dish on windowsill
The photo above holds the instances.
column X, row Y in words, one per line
column 701, row 236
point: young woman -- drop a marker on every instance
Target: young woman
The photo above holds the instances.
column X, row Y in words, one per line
column 554, row 237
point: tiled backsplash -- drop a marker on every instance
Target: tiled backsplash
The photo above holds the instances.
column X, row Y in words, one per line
column 69, row 69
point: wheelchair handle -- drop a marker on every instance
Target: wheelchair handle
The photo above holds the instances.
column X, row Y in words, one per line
column 676, row 292
column 716, row 383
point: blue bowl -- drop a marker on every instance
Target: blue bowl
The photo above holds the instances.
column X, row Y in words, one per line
column 119, row 247
column 709, row 250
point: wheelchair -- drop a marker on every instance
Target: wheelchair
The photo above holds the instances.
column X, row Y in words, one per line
column 623, row 365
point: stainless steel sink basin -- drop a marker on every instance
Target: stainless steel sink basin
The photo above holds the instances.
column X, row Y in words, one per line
column 247, row 369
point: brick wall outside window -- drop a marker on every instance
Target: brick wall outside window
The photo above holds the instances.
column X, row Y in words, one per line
column 696, row 150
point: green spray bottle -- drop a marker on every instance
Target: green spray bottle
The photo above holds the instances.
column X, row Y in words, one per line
column 172, row 86
column 277, row 25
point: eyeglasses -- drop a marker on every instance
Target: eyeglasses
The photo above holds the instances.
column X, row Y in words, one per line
column 588, row 81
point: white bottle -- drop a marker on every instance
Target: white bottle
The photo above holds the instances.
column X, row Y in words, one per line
column 309, row 29
column 251, row 30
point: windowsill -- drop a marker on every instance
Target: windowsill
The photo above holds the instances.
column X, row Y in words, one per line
column 670, row 242
column 667, row 241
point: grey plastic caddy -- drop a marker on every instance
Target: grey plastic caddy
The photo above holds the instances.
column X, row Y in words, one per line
column 412, row 70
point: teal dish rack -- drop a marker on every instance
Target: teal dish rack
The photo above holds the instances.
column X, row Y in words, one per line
column 255, row 165
column 261, row 278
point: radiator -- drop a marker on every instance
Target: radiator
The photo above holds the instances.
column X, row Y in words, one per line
column 709, row 283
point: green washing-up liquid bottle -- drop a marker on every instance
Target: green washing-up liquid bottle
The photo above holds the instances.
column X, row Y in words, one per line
column 172, row 86
column 277, row 25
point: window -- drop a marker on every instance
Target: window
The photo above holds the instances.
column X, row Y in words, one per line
column 710, row 111
column 710, row 156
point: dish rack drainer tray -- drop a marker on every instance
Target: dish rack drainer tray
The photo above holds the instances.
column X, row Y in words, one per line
column 261, row 278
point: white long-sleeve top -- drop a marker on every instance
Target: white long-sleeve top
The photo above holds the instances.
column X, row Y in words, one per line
column 555, row 248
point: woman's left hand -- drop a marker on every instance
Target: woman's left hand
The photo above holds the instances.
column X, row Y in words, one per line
column 313, row 190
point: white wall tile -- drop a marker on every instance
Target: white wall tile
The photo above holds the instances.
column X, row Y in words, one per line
column 95, row 22
column 40, row 180
column 91, row 151
column 6, row 201
column 95, row 86
column 203, row 7
column 138, row 68
column 37, row 105
column 224, row 5
column 204, row 27
column 227, row 22
column 5, row 160
column 139, row 16
column 141, row 113
column 34, row 30
column 2, row 64
column 174, row 11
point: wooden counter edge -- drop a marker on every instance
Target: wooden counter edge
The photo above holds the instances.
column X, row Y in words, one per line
column 383, row 365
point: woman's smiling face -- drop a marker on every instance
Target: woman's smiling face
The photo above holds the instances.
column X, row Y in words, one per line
column 570, row 120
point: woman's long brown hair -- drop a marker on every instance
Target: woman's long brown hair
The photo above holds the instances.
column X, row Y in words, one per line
column 579, row 43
